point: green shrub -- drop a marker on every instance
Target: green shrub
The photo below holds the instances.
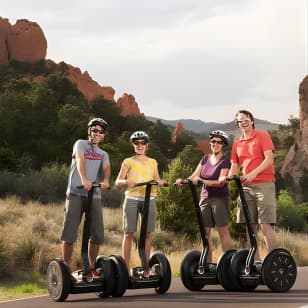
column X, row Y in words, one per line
column 175, row 206
column 25, row 251
column 47, row 185
column 162, row 241
column 289, row 214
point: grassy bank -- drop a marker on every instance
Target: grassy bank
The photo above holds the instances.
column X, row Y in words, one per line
column 33, row 232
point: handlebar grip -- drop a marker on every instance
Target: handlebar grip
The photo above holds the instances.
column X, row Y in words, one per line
column 94, row 185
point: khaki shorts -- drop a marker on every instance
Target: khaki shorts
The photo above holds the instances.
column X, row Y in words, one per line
column 131, row 209
column 261, row 200
column 74, row 208
column 215, row 211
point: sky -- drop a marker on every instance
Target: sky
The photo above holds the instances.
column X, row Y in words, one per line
column 182, row 59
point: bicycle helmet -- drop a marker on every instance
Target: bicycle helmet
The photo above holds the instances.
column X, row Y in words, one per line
column 221, row 134
column 139, row 135
column 98, row 121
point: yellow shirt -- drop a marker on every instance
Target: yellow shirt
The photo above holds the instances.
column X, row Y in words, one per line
column 140, row 171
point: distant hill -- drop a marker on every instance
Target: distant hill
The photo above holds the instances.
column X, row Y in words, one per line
column 204, row 128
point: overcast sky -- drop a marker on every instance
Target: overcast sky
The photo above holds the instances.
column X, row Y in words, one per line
column 182, row 59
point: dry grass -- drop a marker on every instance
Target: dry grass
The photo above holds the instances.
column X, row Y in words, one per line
column 34, row 231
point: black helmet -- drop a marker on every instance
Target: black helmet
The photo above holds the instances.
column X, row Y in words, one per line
column 221, row 134
column 98, row 121
column 139, row 135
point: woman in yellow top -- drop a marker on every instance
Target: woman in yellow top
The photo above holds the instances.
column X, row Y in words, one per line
column 136, row 169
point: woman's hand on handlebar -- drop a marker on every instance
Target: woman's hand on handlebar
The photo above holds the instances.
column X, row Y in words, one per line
column 178, row 182
column 223, row 179
column 130, row 183
column 161, row 182
column 195, row 180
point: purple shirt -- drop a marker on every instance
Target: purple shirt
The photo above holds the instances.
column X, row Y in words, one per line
column 212, row 172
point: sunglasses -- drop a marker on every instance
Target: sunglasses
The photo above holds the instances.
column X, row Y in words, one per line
column 216, row 141
column 95, row 130
column 139, row 142
column 242, row 120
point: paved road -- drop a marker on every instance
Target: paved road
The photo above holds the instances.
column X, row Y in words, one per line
column 179, row 297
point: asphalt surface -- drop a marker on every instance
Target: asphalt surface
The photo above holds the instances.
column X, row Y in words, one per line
column 178, row 296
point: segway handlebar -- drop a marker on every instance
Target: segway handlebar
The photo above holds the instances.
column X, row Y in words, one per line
column 151, row 183
column 94, row 185
column 233, row 177
column 188, row 181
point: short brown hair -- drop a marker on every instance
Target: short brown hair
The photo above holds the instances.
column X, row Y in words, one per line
column 248, row 114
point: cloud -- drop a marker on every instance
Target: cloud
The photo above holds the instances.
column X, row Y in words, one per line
column 183, row 57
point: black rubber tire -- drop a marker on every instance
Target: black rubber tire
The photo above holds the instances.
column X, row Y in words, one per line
column 279, row 270
column 121, row 275
column 58, row 280
column 108, row 283
column 237, row 266
column 224, row 275
column 189, row 266
column 164, row 271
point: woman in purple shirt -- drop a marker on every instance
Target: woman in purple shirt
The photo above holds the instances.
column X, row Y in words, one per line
column 215, row 201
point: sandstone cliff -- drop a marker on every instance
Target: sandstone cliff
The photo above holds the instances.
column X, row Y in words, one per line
column 179, row 128
column 296, row 162
column 128, row 105
column 25, row 42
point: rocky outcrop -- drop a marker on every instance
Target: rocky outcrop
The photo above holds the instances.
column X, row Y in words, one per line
column 128, row 105
column 25, row 41
column 296, row 163
column 204, row 146
column 179, row 128
column 86, row 85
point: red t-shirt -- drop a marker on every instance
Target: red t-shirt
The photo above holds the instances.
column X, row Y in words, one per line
column 248, row 154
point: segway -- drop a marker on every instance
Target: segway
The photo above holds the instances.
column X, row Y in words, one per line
column 278, row 270
column 195, row 271
column 158, row 261
column 61, row 282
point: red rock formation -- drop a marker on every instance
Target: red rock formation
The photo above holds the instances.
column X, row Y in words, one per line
column 128, row 106
column 179, row 128
column 5, row 30
column 24, row 41
column 86, row 85
column 296, row 162
column 204, row 146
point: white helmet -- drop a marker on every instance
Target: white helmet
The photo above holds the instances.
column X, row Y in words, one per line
column 139, row 135
column 221, row 134
column 98, row 121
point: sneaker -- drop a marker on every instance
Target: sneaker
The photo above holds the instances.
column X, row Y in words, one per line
column 146, row 274
column 89, row 278
column 258, row 263
column 96, row 274
column 73, row 278
column 211, row 267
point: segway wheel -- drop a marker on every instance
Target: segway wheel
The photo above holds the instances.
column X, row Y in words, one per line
column 189, row 267
column 121, row 275
column 224, row 275
column 279, row 270
column 237, row 266
column 162, row 267
column 58, row 280
column 108, row 283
